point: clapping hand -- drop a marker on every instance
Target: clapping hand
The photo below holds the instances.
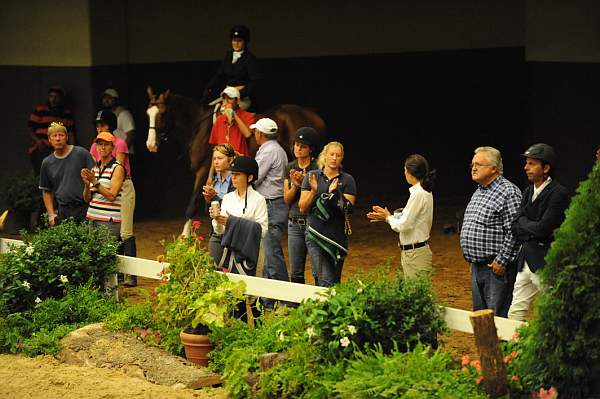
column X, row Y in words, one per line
column 296, row 177
column 208, row 192
column 378, row 214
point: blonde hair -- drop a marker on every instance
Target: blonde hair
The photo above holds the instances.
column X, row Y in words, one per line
column 54, row 126
column 494, row 157
column 225, row 149
column 321, row 159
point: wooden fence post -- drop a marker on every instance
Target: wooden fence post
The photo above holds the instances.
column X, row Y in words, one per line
column 490, row 354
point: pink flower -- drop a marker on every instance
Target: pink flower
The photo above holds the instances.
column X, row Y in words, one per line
column 551, row 393
column 153, row 294
column 515, row 336
column 200, row 238
column 507, row 359
column 476, row 364
column 478, row 379
column 465, row 360
column 514, row 354
column 196, row 224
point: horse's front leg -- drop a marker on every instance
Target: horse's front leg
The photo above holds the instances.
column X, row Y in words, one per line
column 195, row 201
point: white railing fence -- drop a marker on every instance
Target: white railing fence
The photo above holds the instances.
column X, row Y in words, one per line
column 457, row 319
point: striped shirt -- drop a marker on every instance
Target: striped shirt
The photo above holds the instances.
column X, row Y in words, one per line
column 486, row 235
column 41, row 118
column 101, row 208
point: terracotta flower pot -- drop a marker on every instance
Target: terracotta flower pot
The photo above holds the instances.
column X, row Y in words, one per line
column 197, row 347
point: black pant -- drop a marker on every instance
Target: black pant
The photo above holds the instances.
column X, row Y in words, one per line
column 76, row 211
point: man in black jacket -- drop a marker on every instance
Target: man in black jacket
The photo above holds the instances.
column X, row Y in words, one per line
column 542, row 211
column 238, row 69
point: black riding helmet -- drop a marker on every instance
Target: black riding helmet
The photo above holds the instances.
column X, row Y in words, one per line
column 245, row 165
column 308, row 136
column 542, row 152
column 240, row 32
column 107, row 117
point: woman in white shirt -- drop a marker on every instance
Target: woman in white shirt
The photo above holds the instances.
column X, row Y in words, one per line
column 414, row 222
column 244, row 202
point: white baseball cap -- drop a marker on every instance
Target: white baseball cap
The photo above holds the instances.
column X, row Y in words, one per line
column 112, row 93
column 231, row 92
column 265, row 125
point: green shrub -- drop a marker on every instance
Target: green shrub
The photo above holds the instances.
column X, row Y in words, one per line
column 390, row 312
column 321, row 336
column 20, row 193
column 420, row 373
column 51, row 259
column 563, row 349
column 37, row 331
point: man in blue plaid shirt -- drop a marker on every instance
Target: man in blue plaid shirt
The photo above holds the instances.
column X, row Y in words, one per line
column 486, row 238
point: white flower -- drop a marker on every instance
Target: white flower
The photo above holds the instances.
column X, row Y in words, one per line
column 63, row 279
column 281, row 336
column 351, row 329
column 29, row 250
column 332, row 292
column 25, row 284
column 359, row 290
column 38, row 300
column 345, row 342
column 310, row 332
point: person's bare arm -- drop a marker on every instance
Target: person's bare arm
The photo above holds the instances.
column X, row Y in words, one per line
column 48, row 198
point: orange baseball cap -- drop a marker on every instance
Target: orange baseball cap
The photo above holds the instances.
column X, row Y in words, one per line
column 105, row 136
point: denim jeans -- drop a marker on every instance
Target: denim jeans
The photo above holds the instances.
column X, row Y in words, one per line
column 489, row 290
column 214, row 248
column 275, row 267
column 297, row 251
column 328, row 273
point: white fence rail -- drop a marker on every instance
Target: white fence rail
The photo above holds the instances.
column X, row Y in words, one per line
column 457, row 319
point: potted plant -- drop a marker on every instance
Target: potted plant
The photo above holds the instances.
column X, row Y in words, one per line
column 194, row 299
column 21, row 194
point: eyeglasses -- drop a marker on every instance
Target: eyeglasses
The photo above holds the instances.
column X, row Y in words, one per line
column 478, row 165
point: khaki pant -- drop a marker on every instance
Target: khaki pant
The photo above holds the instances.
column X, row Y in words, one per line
column 416, row 262
column 127, row 209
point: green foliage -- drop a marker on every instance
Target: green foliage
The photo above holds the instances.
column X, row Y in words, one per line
column 51, row 259
column 420, row 373
column 20, row 193
column 563, row 348
column 131, row 316
column 321, row 336
column 37, row 331
column 386, row 311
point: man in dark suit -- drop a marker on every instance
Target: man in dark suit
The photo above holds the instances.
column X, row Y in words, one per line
column 542, row 211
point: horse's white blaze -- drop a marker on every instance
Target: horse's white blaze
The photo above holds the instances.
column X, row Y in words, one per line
column 151, row 141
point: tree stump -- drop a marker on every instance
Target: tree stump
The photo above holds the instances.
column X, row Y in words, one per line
column 490, row 354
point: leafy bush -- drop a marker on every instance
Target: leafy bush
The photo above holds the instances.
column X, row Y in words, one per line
column 51, row 258
column 421, row 373
column 20, row 193
column 37, row 331
column 563, row 348
column 195, row 293
column 321, row 336
column 386, row 311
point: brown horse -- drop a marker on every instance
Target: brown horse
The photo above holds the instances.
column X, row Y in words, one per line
column 187, row 121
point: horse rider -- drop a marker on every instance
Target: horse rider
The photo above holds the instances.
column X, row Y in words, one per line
column 239, row 68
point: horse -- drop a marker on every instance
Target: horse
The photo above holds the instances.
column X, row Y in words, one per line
column 188, row 121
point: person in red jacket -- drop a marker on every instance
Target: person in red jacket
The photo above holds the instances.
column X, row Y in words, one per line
column 232, row 126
